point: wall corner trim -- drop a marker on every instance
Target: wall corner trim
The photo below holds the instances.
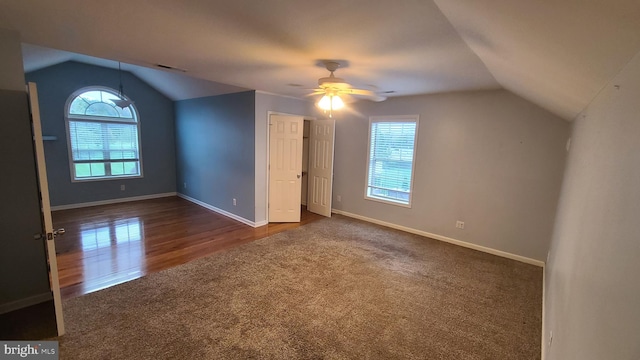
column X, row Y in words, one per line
column 222, row 212
column 443, row 238
column 543, row 345
column 111, row 201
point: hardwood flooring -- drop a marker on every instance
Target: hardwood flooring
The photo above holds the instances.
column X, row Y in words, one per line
column 111, row 244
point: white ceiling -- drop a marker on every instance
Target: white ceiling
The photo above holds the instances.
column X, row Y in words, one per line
column 555, row 53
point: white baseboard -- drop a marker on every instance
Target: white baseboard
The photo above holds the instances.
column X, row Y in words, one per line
column 443, row 238
column 220, row 211
column 543, row 347
column 23, row 303
column 261, row 223
column 111, row 201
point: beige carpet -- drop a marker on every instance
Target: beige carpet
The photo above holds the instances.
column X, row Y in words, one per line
column 333, row 289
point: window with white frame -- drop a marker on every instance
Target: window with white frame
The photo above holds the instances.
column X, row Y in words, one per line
column 390, row 163
column 104, row 139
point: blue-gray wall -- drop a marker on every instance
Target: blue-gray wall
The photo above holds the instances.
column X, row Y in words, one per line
column 55, row 85
column 488, row 158
column 215, row 151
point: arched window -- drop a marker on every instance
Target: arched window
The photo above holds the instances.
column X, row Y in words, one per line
column 104, row 139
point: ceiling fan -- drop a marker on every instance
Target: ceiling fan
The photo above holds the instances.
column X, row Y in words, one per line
column 333, row 88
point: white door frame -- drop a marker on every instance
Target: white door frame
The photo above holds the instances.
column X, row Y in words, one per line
column 46, row 206
column 268, row 153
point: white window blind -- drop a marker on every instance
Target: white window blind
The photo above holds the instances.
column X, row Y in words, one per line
column 104, row 139
column 392, row 144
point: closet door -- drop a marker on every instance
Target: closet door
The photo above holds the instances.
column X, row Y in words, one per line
column 321, row 145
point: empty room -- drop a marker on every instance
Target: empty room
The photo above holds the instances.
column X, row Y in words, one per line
column 328, row 180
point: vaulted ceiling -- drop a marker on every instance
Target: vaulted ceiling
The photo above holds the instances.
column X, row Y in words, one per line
column 555, row 53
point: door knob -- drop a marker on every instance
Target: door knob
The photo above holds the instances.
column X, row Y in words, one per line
column 298, row 176
column 58, row 232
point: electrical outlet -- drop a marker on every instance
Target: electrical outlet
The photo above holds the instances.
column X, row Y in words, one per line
column 550, row 338
column 339, row 198
column 122, row 187
column 460, row 224
column 184, row 185
column 234, row 202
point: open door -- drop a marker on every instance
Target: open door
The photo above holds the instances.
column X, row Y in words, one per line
column 49, row 233
column 285, row 167
column 321, row 144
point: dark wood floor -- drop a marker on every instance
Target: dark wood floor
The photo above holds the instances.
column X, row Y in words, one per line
column 110, row 244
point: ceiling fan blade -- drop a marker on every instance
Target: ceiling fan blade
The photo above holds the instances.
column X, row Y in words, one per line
column 315, row 92
column 332, row 85
column 370, row 95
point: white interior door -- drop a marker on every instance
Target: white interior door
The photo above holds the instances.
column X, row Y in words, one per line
column 321, row 143
column 46, row 206
column 285, row 167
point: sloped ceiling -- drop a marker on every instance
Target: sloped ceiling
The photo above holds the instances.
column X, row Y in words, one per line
column 174, row 85
column 557, row 54
column 405, row 46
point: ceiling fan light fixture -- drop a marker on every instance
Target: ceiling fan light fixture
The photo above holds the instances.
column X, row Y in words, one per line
column 336, row 102
column 330, row 102
column 324, row 103
column 332, row 88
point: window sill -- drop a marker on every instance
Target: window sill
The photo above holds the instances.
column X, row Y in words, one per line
column 106, row 178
